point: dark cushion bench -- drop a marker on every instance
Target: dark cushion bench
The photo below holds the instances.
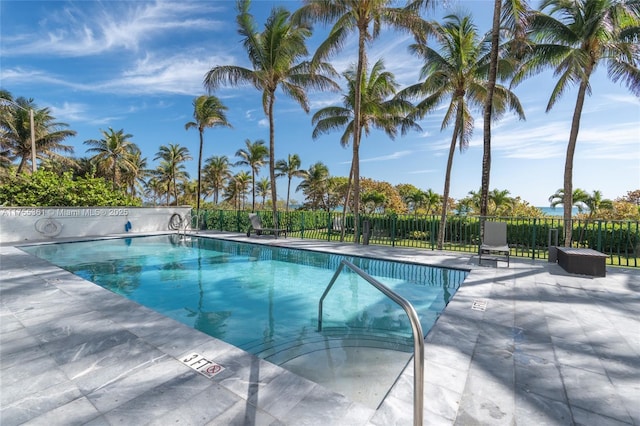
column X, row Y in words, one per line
column 582, row 261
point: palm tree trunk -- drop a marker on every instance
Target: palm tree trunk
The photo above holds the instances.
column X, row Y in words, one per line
column 272, row 166
column 20, row 166
column 175, row 191
column 488, row 106
column 346, row 204
column 199, row 170
column 362, row 61
column 253, row 190
column 288, row 192
column 568, row 165
column 447, row 180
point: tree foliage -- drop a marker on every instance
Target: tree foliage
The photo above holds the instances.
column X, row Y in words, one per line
column 46, row 188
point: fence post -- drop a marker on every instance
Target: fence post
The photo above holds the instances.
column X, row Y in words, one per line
column 329, row 227
column 533, row 246
column 431, row 226
column 302, row 225
column 394, row 225
column 599, row 244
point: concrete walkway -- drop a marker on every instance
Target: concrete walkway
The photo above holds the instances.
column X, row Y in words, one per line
column 525, row 345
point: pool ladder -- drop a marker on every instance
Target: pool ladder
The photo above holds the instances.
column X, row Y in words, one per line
column 418, row 337
column 182, row 228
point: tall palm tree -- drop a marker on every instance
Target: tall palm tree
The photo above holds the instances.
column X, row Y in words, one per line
column 216, row 173
column 513, row 18
column 114, row 153
column 366, row 19
column 174, row 156
column 253, row 156
column 377, row 110
column 573, row 39
column 458, row 72
column 276, row 57
column 289, row 168
column 208, row 111
column 15, row 128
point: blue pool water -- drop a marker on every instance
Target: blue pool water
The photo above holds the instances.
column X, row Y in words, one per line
column 262, row 299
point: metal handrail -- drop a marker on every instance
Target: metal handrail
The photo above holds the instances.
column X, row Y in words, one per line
column 418, row 337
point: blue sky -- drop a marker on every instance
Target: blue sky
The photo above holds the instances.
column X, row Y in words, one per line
column 138, row 65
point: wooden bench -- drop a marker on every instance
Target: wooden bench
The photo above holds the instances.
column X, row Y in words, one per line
column 582, row 261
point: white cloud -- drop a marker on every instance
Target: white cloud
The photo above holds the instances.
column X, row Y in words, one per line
column 624, row 99
column 425, row 171
column 152, row 74
column 263, row 123
column 393, row 156
column 109, row 26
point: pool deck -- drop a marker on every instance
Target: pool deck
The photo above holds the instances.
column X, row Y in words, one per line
column 526, row 345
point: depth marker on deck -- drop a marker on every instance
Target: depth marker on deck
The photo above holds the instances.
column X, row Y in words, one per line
column 201, row 364
column 479, row 305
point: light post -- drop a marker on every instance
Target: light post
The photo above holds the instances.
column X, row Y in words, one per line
column 33, row 132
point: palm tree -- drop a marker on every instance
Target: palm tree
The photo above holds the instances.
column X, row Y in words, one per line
column 216, row 173
column 188, row 191
column 500, row 198
column 134, row 177
column 459, row 72
column 372, row 200
column 289, row 168
column 432, row 199
column 173, row 156
column 595, row 203
column 253, row 156
column 584, row 34
column 578, row 199
column 377, row 110
column 275, row 55
column 264, row 186
column 365, row 18
column 314, row 185
column 208, row 111
column 162, row 179
column 114, row 153
column 154, row 188
column 237, row 188
column 513, row 18
column 415, row 199
column 15, row 127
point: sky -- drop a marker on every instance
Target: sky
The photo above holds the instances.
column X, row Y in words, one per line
column 138, row 65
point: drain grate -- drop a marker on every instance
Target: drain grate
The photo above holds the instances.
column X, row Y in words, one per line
column 479, row 305
column 201, row 364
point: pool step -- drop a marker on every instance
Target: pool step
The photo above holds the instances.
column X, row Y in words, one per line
column 328, row 339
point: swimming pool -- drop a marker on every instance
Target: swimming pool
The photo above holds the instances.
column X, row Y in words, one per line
column 264, row 299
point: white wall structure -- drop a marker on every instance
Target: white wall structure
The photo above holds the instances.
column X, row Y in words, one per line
column 26, row 224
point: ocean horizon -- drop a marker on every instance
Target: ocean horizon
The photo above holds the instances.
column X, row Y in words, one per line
column 557, row 211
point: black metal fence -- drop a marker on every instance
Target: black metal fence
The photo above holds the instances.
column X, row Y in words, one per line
column 527, row 237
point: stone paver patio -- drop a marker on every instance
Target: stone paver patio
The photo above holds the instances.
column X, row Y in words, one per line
column 549, row 348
